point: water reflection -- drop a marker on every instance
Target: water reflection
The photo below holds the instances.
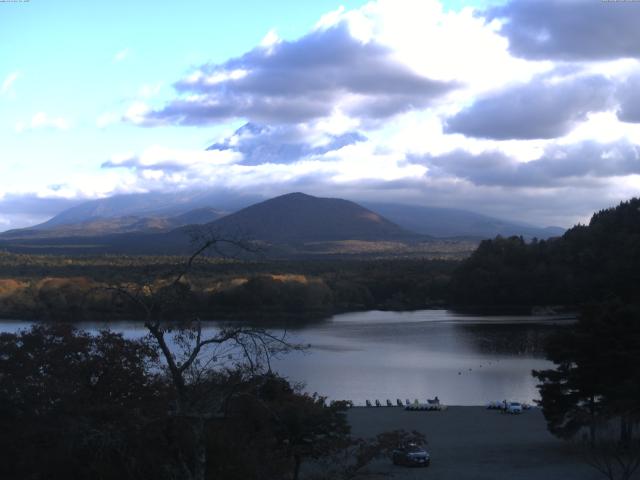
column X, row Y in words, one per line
column 509, row 339
column 464, row 359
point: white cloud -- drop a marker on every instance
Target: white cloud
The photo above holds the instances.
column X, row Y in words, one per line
column 343, row 110
column 8, row 82
column 159, row 158
column 159, row 167
column 136, row 113
column 603, row 127
column 448, row 46
column 270, row 39
column 418, row 39
column 43, row 121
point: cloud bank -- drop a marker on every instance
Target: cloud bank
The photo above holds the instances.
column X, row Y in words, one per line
column 542, row 108
column 559, row 166
column 529, row 110
column 570, row 30
column 301, row 81
column 522, row 105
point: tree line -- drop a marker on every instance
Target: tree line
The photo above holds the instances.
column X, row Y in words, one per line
column 592, row 395
column 216, row 289
column 593, row 262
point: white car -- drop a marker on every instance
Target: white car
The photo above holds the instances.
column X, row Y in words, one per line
column 514, row 407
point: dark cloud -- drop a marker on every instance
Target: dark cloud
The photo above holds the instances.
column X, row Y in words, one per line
column 131, row 162
column 542, row 108
column 628, row 95
column 302, row 80
column 570, row 29
column 260, row 144
column 560, row 166
column 136, row 163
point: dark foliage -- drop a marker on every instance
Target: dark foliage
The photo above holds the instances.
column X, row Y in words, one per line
column 594, row 391
column 597, row 376
column 70, row 289
column 74, row 405
column 588, row 263
column 81, row 406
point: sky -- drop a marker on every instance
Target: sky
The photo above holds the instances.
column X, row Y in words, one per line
column 524, row 109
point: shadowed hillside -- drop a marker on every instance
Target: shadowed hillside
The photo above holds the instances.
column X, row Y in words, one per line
column 297, row 217
column 116, row 225
column 588, row 263
column 290, row 225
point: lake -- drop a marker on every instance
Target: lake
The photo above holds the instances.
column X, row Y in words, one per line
column 463, row 359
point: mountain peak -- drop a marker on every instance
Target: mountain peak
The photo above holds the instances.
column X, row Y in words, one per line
column 296, row 196
column 299, row 217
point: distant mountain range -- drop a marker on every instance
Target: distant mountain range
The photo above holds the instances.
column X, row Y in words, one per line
column 450, row 222
column 163, row 223
column 115, row 225
column 150, row 205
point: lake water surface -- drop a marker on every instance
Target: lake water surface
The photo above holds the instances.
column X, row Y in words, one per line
column 463, row 359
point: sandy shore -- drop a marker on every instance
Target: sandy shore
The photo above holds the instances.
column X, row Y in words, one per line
column 476, row 444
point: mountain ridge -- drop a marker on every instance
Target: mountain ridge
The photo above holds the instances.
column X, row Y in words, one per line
column 445, row 222
column 150, row 204
column 283, row 223
column 161, row 212
column 296, row 217
column 116, row 225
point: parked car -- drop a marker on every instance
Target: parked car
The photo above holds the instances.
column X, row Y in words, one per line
column 514, row 407
column 411, row 455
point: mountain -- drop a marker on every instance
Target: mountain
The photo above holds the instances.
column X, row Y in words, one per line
column 115, row 225
column 199, row 216
column 145, row 212
column 297, row 217
column 291, row 224
column 451, row 222
column 149, row 205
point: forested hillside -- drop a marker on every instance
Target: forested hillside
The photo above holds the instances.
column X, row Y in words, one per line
column 588, row 263
column 78, row 288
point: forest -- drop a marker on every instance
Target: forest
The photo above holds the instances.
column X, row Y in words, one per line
column 77, row 288
column 593, row 262
column 590, row 398
column 589, row 263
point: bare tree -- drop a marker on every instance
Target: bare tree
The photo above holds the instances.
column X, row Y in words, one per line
column 191, row 354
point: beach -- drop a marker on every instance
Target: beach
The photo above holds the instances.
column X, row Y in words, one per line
column 477, row 444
